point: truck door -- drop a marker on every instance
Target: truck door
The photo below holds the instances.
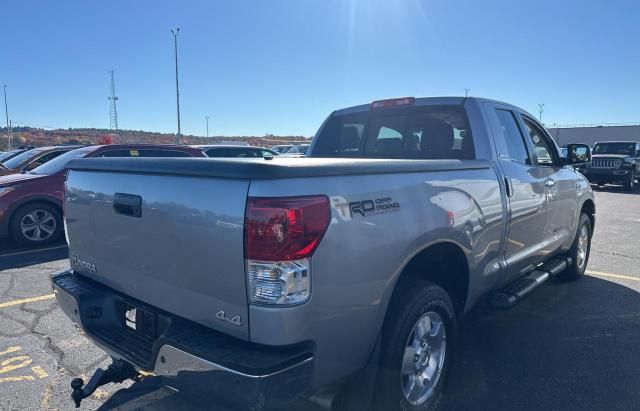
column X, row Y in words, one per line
column 560, row 183
column 525, row 188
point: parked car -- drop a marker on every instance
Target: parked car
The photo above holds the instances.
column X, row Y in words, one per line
column 235, row 151
column 614, row 162
column 297, row 151
column 31, row 203
column 284, row 278
column 10, row 154
column 231, row 143
column 563, row 152
column 281, row 148
column 30, row 159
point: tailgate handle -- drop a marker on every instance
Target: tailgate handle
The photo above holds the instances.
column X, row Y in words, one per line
column 127, row 204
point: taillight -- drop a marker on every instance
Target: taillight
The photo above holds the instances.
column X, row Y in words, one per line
column 281, row 234
column 285, row 229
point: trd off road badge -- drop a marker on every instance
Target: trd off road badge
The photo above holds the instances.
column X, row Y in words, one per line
column 366, row 208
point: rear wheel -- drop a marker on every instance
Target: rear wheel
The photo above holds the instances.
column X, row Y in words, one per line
column 36, row 224
column 580, row 249
column 417, row 344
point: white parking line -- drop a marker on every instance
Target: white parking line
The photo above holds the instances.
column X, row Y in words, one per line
column 35, row 250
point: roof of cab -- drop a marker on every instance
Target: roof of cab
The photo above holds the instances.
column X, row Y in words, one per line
column 425, row 101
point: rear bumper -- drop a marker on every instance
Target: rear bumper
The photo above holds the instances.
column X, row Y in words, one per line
column 245, row 375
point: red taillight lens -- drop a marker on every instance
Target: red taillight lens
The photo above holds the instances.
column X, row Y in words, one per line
column 285, row 228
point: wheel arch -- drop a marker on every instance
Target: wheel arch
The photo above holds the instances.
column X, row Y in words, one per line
column 443, row 263
column 589, row 208
column 51, row 201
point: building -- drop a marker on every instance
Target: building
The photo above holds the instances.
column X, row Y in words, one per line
column 591, row 135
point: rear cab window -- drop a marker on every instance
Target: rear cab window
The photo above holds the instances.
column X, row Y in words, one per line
column 415, row 132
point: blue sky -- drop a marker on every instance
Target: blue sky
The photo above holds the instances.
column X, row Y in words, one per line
column 281, row 66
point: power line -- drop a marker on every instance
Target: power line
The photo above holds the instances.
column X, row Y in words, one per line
column 113, row 110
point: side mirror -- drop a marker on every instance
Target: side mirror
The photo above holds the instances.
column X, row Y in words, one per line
column 578, row 154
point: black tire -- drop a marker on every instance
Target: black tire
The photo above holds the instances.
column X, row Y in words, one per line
column 51, row 220
column 413, row 300
column 629, row 182
column 579, row 265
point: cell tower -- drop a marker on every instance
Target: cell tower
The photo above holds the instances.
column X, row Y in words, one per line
column 113, row 112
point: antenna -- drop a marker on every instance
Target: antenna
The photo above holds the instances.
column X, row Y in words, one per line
column 113, row 112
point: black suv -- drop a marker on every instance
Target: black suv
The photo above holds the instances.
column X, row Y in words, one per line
column 614, row 162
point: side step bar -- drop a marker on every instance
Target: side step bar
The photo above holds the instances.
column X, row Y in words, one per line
column 515, row 292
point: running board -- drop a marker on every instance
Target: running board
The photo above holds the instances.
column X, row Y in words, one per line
column 515, row 292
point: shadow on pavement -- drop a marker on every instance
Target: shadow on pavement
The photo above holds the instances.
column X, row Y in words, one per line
column 616, row 189
column 12, row 256
column 569, row 346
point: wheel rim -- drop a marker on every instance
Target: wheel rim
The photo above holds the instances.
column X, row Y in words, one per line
column 583, row 246
column 38, row 225
column 423, row 359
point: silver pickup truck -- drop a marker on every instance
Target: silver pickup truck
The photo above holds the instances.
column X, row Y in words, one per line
column 336, row 278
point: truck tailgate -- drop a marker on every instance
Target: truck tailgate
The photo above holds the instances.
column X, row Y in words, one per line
column 174, row 242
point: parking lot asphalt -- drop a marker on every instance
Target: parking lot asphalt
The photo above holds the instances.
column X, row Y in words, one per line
column 567, row 346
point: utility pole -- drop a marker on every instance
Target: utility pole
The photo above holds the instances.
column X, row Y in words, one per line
column 466, row 92
column 541, row 110
column 113, row 112
column 175, row 48
column 207, row 117
column 6, row 113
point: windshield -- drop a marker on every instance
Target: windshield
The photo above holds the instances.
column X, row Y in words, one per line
column 301, row 149
column 16, row 161
column 615, row 148
column 60, row 162
column 8, row 154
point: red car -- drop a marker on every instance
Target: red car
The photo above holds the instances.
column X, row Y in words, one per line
column 31, row 203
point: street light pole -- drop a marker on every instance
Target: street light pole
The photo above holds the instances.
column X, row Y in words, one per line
column 207, row 117
column 541, row 110
column 175, row 48
column 6, row 113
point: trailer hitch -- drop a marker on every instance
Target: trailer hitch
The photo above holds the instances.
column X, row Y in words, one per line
column 117, row 372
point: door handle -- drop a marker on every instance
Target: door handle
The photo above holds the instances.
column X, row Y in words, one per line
column 508, row 185
column 550, row 182
column 127, row 204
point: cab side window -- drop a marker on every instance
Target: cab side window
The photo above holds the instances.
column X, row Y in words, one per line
column 516, row 146
column 543, row 148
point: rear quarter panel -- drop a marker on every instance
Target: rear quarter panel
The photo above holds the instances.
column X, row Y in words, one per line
column 357, row 264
